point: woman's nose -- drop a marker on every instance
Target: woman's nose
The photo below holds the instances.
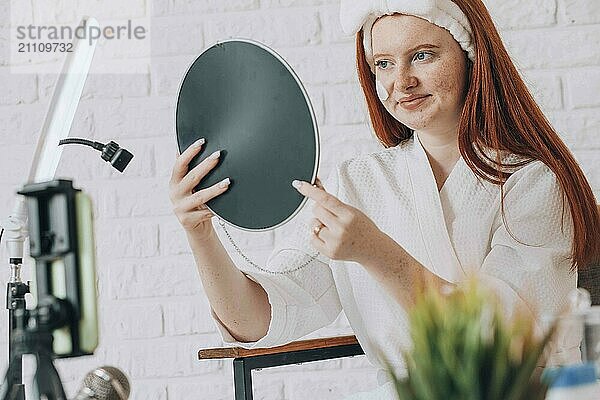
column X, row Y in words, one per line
column 405, row 80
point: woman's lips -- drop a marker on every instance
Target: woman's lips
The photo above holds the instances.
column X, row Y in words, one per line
column 413, row 104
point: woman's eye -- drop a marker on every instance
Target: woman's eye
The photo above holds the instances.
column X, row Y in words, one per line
column 383, row 64
column 421, row 56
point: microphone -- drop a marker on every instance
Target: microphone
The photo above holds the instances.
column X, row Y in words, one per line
column 111, row 152
column 104, row 383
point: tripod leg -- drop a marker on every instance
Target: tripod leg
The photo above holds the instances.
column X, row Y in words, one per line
column 46, row 380
column 18, row 388
column 10, row 389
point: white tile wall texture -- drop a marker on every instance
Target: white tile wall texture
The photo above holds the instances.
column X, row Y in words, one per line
column 154, row 314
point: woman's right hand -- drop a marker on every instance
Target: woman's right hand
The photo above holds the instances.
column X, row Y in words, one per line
column 189, row 206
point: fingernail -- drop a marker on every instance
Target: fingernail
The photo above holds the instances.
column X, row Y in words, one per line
column 224, row 183
column 296, row 184
column 215, row 155
column 199, row 142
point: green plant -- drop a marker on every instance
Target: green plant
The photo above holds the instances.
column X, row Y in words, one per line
column 465, row 349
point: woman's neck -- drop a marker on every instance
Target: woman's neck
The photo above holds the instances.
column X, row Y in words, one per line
column 442, row 152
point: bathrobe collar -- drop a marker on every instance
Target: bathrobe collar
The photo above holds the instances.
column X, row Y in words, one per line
column 430, row 214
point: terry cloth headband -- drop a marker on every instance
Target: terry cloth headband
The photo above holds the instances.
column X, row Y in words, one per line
column 357, row 14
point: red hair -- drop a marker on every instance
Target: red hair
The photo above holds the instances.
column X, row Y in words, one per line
column 501, row 114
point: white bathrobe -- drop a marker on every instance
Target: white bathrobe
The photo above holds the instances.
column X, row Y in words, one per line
column 452, row 233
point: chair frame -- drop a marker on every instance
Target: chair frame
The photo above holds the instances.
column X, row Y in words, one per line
column 246, row 360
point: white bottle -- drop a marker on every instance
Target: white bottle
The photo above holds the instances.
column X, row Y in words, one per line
column 575, row 382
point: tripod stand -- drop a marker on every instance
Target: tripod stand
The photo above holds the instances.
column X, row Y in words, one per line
column 64, row 323
column 15, row 302
column 35, row 339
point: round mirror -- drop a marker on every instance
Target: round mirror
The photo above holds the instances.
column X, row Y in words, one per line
column 246, row 101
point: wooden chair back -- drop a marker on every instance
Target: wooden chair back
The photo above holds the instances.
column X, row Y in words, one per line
column 589, row 279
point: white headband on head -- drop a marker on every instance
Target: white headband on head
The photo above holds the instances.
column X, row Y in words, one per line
column 357, row 14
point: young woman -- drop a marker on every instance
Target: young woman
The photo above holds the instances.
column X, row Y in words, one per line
column 473, row 179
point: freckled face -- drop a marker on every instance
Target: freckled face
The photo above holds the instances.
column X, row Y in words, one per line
column 422, row 68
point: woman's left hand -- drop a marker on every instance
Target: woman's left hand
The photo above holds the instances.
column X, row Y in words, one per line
column 340, row 231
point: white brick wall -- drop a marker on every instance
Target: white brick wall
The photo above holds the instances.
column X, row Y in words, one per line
column 154, row 313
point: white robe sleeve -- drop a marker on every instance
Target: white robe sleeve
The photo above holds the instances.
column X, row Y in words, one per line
column 531, row 268
column 301, row 301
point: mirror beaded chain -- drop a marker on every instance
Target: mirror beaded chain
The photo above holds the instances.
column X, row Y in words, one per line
column 265, row 270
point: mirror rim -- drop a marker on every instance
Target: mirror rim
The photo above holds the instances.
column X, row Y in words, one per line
column 310, row 108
